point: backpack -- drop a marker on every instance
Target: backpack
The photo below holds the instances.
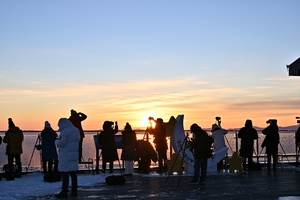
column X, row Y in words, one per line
column 206, row 146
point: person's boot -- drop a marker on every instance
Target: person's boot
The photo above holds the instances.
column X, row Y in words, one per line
column 74, row 193
column 62, row 195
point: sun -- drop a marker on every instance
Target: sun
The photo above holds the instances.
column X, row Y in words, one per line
column 145, row 122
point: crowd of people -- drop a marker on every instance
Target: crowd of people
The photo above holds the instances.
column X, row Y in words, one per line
column 62, row 153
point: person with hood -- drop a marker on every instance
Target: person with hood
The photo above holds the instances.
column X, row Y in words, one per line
column 106, row 139
column 218, row 135
column 76, row 118
column 129, row 143
column 160, row 141
column 199, row 147
column 247, row 134
column 13, row 138
column 271, row 142
column 67, row 144
column 49, row 152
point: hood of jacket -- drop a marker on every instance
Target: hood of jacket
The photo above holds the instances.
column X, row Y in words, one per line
column 64, row 123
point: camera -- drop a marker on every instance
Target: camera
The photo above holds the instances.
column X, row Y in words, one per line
column 151, row 118
column 298, row 120
column 218, row 118
column 271, row 121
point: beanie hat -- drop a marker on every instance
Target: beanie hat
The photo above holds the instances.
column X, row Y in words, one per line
column 10, row 123
column 47, row 124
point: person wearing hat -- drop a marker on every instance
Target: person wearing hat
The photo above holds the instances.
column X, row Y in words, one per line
column 129, row 143
column 218, row 135
column 76, row 118
column 160, row 141
column 13, row 138
column 49, row 153
column 106, row 139
column 247, row 134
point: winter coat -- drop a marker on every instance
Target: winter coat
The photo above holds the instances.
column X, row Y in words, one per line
column 160, row 134
column 49, row 151
column 106, row 139
column 247, row 135
column 218, row 136
column 68, row 144
column 271, row 140
column 14, row 138
column 76, row 120
column 198, row 145
column 129, row 143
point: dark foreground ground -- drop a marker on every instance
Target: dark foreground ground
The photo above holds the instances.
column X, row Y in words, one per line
column 283, row 184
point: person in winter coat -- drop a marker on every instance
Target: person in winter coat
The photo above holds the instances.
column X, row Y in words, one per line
column 129, row 143
column 271, row 142
column 13, row 138
column 247, row 134
column 106, row 139
column 49, row 153
column 218, row 135
column 67, row 144
column 76, row 118
column 200, row 155
column 160, row 141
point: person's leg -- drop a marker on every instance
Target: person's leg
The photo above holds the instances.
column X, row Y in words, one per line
column 203, row 165
column 269, row 161
column 55, row 164
column 130, row 166
column 10, row 159
column 65, row 184
column 80, row 150
column 197, row 165
column 250, row 164
column 245, row 164
column 44, row 166
column 111, row 166
column 74, row 183
column 18, row 163
column 103, row 165
column 126, row 167
column 274, row 156
column 50, row 164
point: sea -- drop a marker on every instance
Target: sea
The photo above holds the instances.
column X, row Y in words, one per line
column 31, row 157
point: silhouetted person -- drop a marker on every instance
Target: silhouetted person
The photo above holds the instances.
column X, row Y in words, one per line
column 106, row 139
column 297, row 136
column 14, row 138
column 160, row 142
column 247, row 134
column 271, row 142
column 49, row 153
column 67, row 144
column 198, row 147
column 218, row 135
column 76, row 118
column 129, row 143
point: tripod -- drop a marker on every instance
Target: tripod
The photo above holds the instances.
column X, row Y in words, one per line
column 37, row 146
column 182, row 149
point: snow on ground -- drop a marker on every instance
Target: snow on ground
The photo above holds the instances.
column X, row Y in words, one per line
column 33, row 184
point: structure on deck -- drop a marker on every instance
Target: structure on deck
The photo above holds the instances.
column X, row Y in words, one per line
column 294, row 68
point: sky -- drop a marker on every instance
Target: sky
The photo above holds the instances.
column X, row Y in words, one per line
column 128, row 60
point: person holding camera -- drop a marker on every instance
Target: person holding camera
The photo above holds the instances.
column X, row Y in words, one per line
column 271, row 142
column 160, row 141
column 49, row 152
column 106, row 139
column 247, row 134
column 201, row 151
column 76, row 118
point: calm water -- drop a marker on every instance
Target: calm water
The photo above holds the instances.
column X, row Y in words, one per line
column 287, row 146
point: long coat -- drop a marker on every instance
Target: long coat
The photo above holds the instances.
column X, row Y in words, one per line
column 247, row 135
column 68, row 144
column 49, row 151
column 129, row 143
column 106, row 139
column 14, row 138
column 271, row 140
